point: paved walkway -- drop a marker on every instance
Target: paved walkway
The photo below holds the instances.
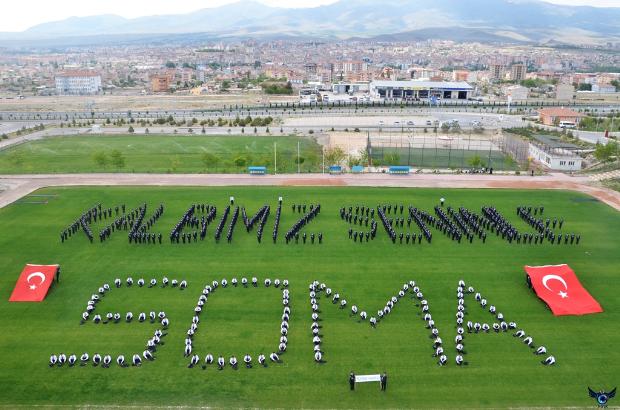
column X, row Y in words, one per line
column 13, row 187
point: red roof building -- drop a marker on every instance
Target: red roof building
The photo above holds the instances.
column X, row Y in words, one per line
column 554, row 115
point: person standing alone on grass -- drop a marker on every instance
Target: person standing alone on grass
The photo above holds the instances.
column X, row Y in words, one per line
column 352, row 380
column 383, row 381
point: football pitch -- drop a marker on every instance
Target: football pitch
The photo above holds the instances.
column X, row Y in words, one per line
column 502, row 372
column 162, row 154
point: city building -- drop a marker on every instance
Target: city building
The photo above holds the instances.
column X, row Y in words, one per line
column 76, row 82
column 160, row 83
column 517, row 72
column 497, row 71
column 556, row 115
column 554, row 154
column 460, row 75
column 413, row 89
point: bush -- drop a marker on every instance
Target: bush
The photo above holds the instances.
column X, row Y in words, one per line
column 117, row 159
column 240, row 161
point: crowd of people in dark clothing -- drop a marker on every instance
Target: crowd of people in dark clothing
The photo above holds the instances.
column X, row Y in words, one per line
column 545, row 227
column 456, row 224
column 276, row 223
column 294, row 232
column 220, row 225
column 364, row 216
column 233, row 222
column 83, row 222
column 139, row 230
column 260, row 217
column 189, row 219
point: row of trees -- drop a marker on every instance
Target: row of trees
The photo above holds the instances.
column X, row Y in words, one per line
column 220, row 122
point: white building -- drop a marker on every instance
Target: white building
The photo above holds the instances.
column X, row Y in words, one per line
column 603, row 88
column 414, row 89
column 78, row 83
column 554, row 154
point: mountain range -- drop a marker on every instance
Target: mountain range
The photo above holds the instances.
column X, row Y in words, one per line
column 525, row 21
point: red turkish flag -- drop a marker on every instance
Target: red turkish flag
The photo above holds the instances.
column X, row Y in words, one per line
column 33, row 283
column 559, row 287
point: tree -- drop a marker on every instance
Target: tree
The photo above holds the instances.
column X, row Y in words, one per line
column 476, row 162
column 335, row 155
column 170, row 64
column 606, row 153
column 101, row 159
column 210, row 160
column 117, row 159
column 363, row 156
column 130, row 130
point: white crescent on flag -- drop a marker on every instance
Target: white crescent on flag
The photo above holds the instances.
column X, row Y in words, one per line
column 35, row 275
column 547, row 278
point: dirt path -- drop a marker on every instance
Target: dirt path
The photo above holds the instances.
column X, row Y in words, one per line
column 15, row 187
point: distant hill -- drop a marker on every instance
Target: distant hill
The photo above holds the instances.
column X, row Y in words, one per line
column 466, row 20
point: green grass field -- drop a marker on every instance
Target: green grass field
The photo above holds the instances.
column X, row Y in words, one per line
column 502, row 371
column 161, row 154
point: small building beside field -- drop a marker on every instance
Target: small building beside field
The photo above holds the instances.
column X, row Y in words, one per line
column 554, row 154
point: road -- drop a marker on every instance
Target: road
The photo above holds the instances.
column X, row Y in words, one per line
column 17, row 186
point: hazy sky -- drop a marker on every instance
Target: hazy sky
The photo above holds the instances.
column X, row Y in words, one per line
column 18, row 15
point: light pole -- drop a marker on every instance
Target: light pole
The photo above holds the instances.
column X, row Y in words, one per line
column 298, row 163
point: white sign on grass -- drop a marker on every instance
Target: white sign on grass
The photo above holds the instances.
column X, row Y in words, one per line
column 368, row 378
